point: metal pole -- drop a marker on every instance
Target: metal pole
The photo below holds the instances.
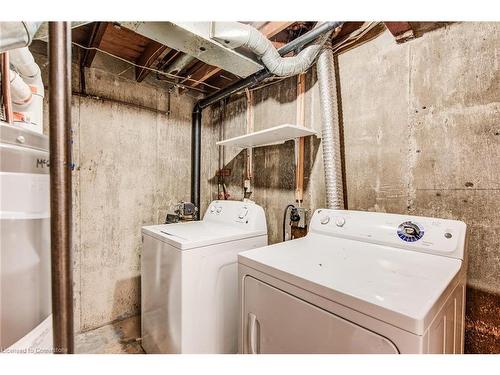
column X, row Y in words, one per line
column 196, row 159
column 60, row 185
column 9, row 116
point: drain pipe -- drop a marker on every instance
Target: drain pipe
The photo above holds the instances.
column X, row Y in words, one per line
column 60, row 185
column 232, row 89
column 330, row 139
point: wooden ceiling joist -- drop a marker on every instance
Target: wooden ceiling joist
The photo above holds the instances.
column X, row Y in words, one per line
column 147, row 59
column 402, row 31
column 95, row 40
column 273, row 28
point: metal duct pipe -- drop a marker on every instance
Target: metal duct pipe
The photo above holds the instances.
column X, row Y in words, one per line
column 60, row 185
column 20, row 90
column 330, row 130
column 17, row 34
column 27, row 90
column 234, row 88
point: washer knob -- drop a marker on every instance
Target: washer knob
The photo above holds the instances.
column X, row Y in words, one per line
column 212, row 209
column 219, row 210
column 243, row 213
column 340, row 222
column 325, row 220
column 21, row 139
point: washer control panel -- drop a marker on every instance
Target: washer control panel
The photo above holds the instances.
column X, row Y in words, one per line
column 424, row 234
column 243, row 214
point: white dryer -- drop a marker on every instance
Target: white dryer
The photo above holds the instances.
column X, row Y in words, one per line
column 189, row 279
column 359, row 282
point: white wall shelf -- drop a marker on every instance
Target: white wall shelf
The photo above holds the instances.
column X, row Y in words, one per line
column 272, row 136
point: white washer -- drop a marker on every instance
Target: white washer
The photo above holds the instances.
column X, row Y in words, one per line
column 359, row 282
column 189, row 280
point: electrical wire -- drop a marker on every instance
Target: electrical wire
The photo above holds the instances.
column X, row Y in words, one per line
column 169, row 75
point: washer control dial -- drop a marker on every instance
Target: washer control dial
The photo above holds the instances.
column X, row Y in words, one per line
column 325, row 220
column 410, row 231
column 243, row 213
column 219, row 209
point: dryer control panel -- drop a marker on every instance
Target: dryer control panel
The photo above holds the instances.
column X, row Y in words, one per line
column 247, row 215
column 423, row 234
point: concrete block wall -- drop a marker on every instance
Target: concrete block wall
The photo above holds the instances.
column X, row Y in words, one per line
column 422, row 136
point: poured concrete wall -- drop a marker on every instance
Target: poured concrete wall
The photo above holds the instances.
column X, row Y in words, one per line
column 131, row 165
column 422, row 136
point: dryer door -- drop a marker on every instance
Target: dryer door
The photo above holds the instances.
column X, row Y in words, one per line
column 277, row 322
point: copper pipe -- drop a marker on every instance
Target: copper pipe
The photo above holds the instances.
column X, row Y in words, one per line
column 300, row 143
column 7, row 98
column 60, row 184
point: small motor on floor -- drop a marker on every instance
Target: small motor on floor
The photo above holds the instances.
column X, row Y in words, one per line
column 184, row 211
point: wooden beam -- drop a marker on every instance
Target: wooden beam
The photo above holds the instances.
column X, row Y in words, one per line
column 402, row 31
column 270, row 29
column 147, row 59
column 273, row 28
column 96, row 36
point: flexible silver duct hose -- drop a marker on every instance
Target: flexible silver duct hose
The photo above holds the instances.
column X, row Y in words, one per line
column 280, row 66
column 330, row 130
column 238, row 34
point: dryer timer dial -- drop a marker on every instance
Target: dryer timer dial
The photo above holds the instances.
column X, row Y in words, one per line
column 409, row 231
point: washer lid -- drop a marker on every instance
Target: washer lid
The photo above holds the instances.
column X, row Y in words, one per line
column 400, row 287
column 195, row 234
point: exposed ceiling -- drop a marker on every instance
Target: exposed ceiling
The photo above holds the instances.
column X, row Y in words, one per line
column 197, row 75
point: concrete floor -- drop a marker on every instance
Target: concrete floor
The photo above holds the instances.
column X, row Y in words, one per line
column 122, row 337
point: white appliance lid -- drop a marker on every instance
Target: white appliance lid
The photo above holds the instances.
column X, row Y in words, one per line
column 394, row 285
column 195, row 234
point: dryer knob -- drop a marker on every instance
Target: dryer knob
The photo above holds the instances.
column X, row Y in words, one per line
column 340, row 222
column 325, row 220
column 219, row 210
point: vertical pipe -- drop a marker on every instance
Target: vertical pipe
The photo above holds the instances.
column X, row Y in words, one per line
column 300, row 143
column 330, row 129
column 7, row 98
column 196, row 158
column 60, row 185
column 249, row 150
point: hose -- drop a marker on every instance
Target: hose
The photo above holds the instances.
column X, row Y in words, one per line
column 284, row 219
column 330, row 139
